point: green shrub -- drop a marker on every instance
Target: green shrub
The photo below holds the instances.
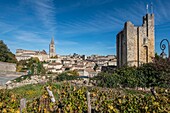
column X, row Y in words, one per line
column 156, row 73
column 65, row 76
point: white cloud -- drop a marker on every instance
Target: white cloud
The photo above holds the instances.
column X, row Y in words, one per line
column 6, row 28
column 45, row 11
column 29, row 37
column 99, row 23
column 66, row 43
column 162, row 14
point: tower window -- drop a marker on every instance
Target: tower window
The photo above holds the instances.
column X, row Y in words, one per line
column 145, row 41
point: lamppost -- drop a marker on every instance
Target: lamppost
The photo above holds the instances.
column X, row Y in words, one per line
column 163, row 47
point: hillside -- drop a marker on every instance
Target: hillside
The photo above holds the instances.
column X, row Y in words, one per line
column 73, row 99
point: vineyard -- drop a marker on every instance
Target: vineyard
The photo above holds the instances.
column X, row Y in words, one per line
column 73, row 99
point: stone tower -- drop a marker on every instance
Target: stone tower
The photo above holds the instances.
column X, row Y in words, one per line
column 52, row 48
column 136, row 44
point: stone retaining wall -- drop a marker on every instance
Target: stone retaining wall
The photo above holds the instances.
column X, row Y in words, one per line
column 4, row 66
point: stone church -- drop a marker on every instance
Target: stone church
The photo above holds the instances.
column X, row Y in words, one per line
column 52, row 49
column 136, row 44
column 41, row 55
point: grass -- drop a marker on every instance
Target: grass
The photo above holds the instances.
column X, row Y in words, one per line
column 28, row 91
column 136, row 92
column 32, row 91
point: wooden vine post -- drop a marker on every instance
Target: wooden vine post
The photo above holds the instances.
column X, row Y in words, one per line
column 22, row 104
column 50, row 93
column 88, row 103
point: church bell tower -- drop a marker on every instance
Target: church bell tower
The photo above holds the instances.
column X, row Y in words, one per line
column 52, row 48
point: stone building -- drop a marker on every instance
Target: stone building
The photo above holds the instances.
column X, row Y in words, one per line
column 22, row 54
column 136, row 44
column 27, row 54
column 52, row 48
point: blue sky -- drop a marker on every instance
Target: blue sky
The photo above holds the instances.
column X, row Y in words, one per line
column 78, row 26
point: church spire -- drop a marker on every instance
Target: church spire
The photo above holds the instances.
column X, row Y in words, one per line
column 52, row 40
column 52, row 48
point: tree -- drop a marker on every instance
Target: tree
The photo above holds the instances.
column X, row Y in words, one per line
column 5, row 54
column 33, row 65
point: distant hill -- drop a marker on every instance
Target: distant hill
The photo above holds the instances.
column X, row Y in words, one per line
column 5, row 54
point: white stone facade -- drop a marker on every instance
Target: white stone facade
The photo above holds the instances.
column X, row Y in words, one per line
column 27, row 54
